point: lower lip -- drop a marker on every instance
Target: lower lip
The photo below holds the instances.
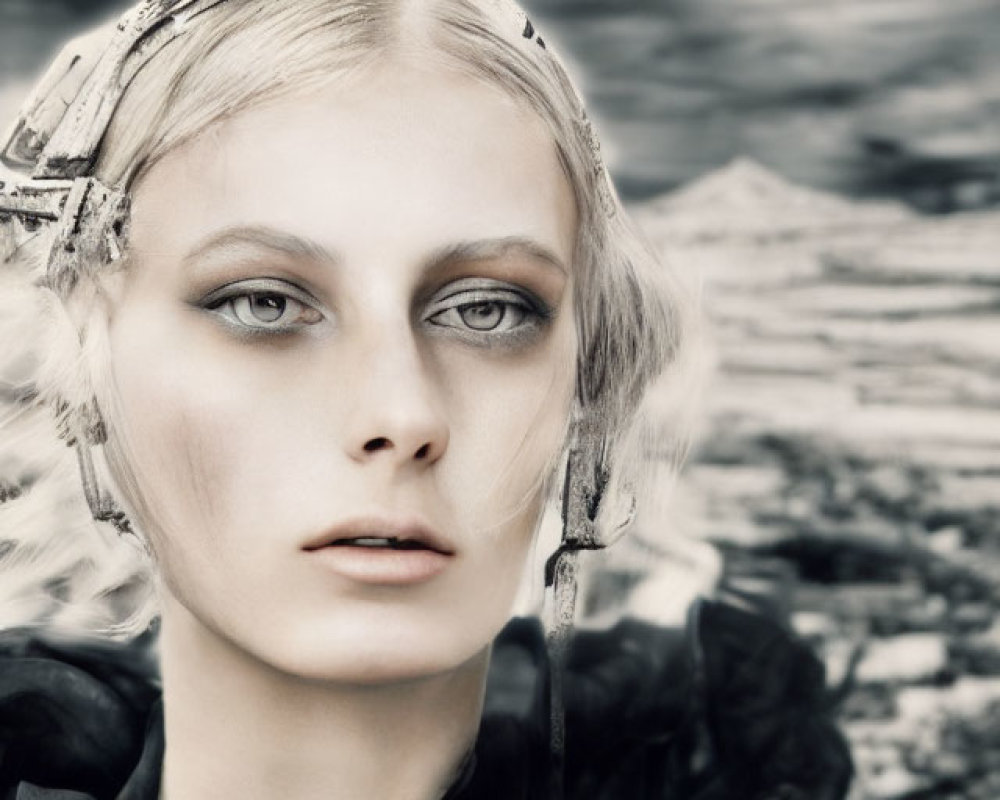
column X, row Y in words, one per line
column 382, row 566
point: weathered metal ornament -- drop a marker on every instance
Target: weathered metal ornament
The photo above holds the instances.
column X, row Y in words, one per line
column 24, row 208
column 58, row 133
column 59, row 130
column 103, row 507
column 92, row 225
column 92, row 233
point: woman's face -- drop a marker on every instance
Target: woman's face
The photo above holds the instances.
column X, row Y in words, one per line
column 344, row 361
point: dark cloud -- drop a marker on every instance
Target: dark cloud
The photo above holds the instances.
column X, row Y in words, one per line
column 803, row 86
column 32, row 31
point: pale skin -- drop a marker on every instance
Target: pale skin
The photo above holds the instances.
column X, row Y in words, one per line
column 352, row 305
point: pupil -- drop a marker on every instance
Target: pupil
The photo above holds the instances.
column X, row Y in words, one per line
column 483, row 316
column 267, row 307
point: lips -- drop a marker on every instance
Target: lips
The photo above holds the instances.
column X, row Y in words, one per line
column 384, row 533
column 381, row 552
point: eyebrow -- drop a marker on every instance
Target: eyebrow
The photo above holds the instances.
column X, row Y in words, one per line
column 486, row 249
column 264, row 237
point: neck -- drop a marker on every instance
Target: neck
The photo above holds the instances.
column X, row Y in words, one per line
column 236, row 727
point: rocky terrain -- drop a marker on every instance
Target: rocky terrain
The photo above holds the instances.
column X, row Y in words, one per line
column 848, row 472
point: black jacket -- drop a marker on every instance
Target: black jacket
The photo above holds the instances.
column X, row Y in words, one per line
column 732, row 708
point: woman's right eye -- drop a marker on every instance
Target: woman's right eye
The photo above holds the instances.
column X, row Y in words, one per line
column 263, row 306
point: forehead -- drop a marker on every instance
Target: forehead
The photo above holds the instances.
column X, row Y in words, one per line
column 405, row 154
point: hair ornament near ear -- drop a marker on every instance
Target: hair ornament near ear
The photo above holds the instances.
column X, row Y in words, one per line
column 602, row 178
column 92, row 432
column 585, row 489
column 91, row 219
column 24, row 208
column 83, row 423
column 102, row 505
column 83, row 429
column 9, row 491
column 92, row 233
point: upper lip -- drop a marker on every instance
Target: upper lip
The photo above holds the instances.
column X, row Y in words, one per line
column 402, row 528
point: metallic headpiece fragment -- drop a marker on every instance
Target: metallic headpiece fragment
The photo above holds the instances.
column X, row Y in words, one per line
column 60, row 128
column 58, row 133
column 92, row 225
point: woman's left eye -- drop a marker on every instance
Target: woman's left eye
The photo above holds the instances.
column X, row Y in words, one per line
column 487, row 312
column 263, row 306
column 484, row 316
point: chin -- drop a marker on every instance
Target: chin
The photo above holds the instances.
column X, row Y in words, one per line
column 371, row 649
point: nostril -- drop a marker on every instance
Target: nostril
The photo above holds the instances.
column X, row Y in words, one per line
column 380, row 443
column 422, row 452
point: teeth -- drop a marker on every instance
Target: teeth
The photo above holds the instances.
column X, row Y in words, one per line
column 382, row 541
column 408, row 545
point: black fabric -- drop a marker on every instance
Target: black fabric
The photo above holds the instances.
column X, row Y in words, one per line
column 72, row 714
column 732, row 708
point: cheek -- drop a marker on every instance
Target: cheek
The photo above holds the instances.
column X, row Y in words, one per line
column 175, row 417
column 174, row 474
column 508, row 425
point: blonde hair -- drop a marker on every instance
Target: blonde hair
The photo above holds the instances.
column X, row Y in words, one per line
column 633, row 316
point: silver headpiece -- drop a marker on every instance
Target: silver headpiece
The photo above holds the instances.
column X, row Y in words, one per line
column 57, row 135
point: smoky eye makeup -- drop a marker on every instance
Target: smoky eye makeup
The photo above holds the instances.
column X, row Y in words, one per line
column 486, row 312
column 262, row 307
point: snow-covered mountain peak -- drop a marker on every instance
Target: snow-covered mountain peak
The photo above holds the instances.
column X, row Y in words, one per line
column 745, row 197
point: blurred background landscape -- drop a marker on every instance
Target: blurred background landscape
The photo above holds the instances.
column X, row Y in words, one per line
column 829, row 174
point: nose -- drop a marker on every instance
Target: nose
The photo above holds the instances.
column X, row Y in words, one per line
column 398, row 415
